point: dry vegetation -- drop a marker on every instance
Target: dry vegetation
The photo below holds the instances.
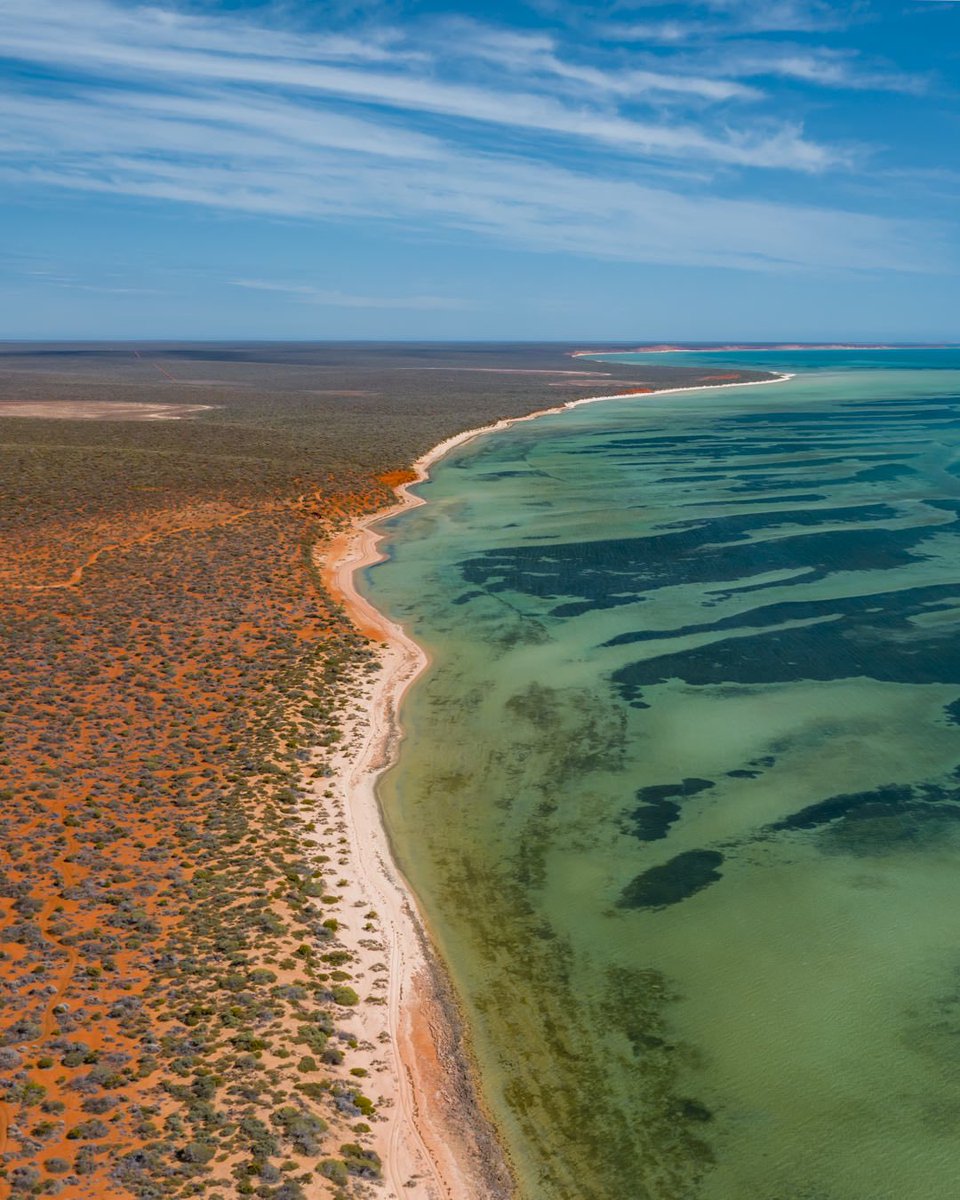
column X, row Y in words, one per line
column 175, row 1016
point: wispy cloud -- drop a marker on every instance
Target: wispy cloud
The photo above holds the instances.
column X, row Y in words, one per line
column 104, row 39
column 724, row 19
column 325, row 298
column 786, row 15
column 533, row 206
column 734, row 17
column 54, row 277
column 821, row 66
column 537, row 57
column 463, row 128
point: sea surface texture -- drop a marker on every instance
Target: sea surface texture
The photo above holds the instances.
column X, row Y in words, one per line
column 681, row 789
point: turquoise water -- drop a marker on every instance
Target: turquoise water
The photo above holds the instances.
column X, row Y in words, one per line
column 681, row 789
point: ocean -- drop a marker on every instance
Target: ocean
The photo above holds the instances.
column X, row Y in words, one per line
column 680, row 791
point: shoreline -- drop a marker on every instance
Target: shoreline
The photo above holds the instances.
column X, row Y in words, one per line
column 780, row 347
column 437, row 1140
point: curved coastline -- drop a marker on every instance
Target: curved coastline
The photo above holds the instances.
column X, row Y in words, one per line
column 769, row 348
column 437, row 1142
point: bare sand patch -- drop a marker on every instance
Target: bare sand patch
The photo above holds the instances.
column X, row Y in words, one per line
column 99, row 410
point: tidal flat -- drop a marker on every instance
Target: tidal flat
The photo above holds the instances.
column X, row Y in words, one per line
column 680, row 792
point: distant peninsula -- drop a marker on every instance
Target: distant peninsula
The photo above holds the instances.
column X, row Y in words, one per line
column 755, row 347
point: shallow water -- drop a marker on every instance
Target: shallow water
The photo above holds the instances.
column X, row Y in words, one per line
column 681, row 790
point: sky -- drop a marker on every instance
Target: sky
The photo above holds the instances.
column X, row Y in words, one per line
column 620, row 170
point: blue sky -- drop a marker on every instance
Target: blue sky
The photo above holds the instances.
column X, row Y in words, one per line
column 718, row 169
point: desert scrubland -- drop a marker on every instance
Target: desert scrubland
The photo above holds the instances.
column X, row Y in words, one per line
column 190, row 977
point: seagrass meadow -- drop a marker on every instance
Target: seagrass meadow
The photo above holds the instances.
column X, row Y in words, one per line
column 680, row 788
column 176, row 997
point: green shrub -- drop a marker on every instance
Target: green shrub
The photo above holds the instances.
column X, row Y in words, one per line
column 197, row 1153
column 302, row 1128
column 359, row 1161
column 335, row 1171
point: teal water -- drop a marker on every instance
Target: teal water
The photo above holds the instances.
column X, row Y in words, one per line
column 681, row 790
